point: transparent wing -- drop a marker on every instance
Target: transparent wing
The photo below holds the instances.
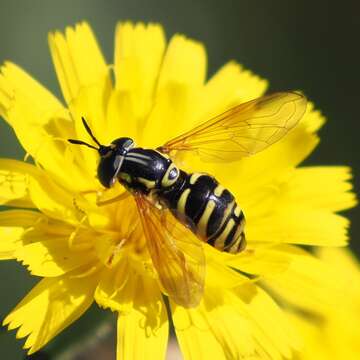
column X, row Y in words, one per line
column 177, row 254
column 243, row 130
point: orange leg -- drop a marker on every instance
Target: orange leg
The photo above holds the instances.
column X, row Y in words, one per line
column 120, row 197
column 98, row 193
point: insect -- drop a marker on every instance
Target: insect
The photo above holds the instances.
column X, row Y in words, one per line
column 178, row 209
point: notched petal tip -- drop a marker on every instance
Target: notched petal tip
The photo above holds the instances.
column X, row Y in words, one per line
column 82, row 25
column 139, row 26
column 50, row 306
column 247, row 80
column 313, row 118
column 7, row 322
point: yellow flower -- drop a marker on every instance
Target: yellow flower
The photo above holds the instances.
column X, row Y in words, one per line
column 334, row 333
column 56, row 229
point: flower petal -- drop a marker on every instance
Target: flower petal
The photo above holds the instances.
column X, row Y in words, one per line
column 307, row 282
column 295, row 225
column 334, row 334
column 218, row 273
column 281, row 207
column 45, row 194
column 260, row 260
column 136, row 77
column 8, row 238
column 230, row 86
column 50, row 255
column 312, row 119
column 143, row 330
column 41, row 124
column 15, row 81
column 347, row 273
column 52, row 305
column 53, row 200
column 14, row 183
column 116, row 288
column 316, row 346
column 77, row 59
column 306, row 194
column 85, row 81
column 320, row 187
column 256, row 181
column 27, row 181
column 346, row 263
column 6, row 96
column 195, row 339
column 180, row 83
column 273, row 333
column 233, row 325
column 12, row 226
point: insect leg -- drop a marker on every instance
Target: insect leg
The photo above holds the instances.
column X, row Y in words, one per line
column 120, row 197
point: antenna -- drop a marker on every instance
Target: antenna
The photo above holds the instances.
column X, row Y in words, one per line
column 79, row 142
column 89, row 130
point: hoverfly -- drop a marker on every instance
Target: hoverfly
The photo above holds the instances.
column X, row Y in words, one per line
column 178, row 209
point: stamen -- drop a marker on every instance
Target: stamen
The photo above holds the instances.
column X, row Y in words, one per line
column 78, row 208
column 26, row 157
column 89, row 272
column 115, row 253
column 73, row 235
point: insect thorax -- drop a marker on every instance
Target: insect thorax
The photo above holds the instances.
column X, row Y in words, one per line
column 146, row 169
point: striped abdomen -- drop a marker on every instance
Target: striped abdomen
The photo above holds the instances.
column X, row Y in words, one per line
column 209, row 210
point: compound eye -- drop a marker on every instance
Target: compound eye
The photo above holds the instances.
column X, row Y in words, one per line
column 108, row 169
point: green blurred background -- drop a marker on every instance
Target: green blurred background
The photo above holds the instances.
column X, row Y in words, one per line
column 308, row 45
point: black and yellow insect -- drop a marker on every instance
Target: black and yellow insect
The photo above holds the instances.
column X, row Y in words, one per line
column 178, row 209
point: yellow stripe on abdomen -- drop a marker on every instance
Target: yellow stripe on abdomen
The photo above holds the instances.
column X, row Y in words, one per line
column 219, row 190
column 203, row 222
column 220, row 239
column 182, row 201
column 194, row 177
